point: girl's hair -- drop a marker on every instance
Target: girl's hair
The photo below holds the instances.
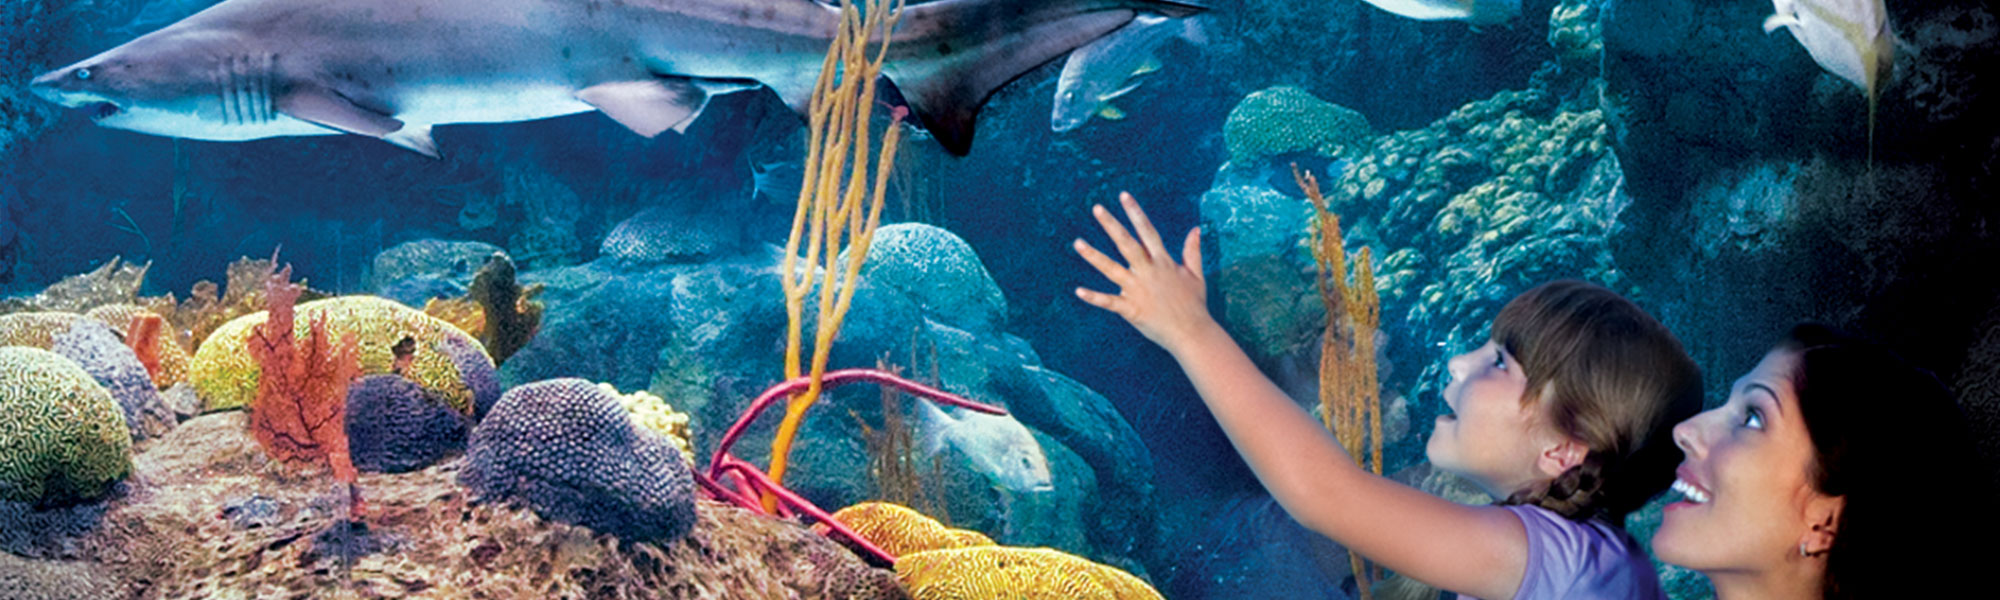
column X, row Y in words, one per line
column 1609, row 376
column 1888, row 438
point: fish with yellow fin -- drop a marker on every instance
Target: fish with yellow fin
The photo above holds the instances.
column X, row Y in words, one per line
column 1114, row 65
column 1849, row 38
column 1476, row 12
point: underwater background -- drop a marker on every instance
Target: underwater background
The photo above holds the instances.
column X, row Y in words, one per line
column 1668, row 149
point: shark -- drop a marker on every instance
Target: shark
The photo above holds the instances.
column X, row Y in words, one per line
column 1475, row 12
column 393, row 69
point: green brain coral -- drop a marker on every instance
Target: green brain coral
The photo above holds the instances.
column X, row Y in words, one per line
column 1286, row 119
column 63, row 438
column 653, row 413
column 225, row 377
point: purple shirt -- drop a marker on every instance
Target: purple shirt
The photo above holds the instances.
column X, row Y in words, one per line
column 1589, row 559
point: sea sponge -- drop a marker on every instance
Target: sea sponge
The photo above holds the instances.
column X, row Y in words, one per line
column 63, row 439
column 173, row 358
column 225, row 377
column 900, row 530
column 93, row 346
column 1286, row 119
column 568, row 450
column 395, row 426
column 996, row 572
column 653, row 413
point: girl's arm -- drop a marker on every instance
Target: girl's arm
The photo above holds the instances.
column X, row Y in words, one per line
column 1475, row 550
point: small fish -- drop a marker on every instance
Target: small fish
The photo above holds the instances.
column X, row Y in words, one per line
column 1103, row 70
column 1476, row 12
column 999, row 446
column 1849, row 38
column 780, row 181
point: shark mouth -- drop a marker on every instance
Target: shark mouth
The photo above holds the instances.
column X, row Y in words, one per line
column 99, row 110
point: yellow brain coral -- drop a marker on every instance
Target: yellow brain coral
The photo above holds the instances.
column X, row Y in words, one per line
column 35, row 329
column 173, row 358
column 62, row 437
column 225, row 376
column 994, row 572
column 652, row 412
column 900, row 530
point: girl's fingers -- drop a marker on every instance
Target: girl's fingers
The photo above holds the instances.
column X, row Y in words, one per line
column 1102, row 300
column 1129, row 248
column 1191, row 253
column 1110, row 268
column 1142, row 226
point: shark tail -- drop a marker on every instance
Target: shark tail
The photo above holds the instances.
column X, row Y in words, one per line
column 949, row 57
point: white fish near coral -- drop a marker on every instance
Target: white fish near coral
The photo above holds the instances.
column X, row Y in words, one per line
column 1476, row 12
column 1000, row 447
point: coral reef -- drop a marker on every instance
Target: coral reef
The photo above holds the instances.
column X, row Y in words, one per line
column 113, row 282
column 35, row 329
column 1284, row 120
column 1350, row 397
column 901, row 531
column 300, row 412
column 993, row 572
column 652, row 413
column 447, row 260
column 63, row 438
column 93, row 346
column 569, row 451
column 171, row 358
column 395, row 426
column 226, row 378
column 512, row 313
column 671, row 234
column 939, row 272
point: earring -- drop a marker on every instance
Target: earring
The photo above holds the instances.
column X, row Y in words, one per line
column 1802, row 550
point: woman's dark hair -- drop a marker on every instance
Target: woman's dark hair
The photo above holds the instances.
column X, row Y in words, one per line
column 1888, row 438
column 1607, row 375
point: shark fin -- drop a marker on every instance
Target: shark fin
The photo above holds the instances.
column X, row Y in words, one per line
column 416, row 137
column 647, row 107
column 1773, row 22
column 331, row 110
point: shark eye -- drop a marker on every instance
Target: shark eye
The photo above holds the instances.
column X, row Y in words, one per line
column 83, row 73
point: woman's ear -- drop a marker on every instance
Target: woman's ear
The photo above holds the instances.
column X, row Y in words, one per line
column 1823, row 516
column 1556, row 459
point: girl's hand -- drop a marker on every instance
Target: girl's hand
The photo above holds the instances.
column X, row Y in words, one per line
column 1164, row 300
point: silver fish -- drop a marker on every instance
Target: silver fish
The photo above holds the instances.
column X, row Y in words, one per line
column 1103, row 70
column 392, row 69
column 1000, row 447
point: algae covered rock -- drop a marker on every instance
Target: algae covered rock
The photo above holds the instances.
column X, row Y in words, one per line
column 939, row 272
column 568, row 450
column 1286, row 119
column 63, row 438
column 225, row 376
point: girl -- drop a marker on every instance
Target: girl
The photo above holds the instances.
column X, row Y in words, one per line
column 1836, row 470
column 1565, row 413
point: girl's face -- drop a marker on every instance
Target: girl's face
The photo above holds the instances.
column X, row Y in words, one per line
column 1490, row 436
column 1746, row 479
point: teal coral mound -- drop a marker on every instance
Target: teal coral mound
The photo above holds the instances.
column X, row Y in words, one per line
column 1286, row 120
column 939, row 272
column 568, row 450
column 62, row 437
column 225, row 377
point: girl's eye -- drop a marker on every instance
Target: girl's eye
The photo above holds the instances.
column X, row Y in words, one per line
column 1500, row 359
column 1753, row 418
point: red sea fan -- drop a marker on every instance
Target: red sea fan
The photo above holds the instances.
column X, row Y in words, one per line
column 300, row 413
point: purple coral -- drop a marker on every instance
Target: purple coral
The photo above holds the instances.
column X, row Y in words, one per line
column 109, row 361
column 570, row 452
column 395, row 426
column 476, row 369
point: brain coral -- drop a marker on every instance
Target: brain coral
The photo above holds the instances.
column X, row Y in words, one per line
column 62, row 438
column 395, row 426
column 654, row 414
column 173, row 358
column 93, row 346
column 225, row 376
column 939, row 271
column 660, row 234
column 1287, row 119
column 569, row 451
column 996, row 572
column 35, row 329
column 900, row 530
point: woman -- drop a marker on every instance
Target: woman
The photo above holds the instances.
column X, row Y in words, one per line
column 1835, row 470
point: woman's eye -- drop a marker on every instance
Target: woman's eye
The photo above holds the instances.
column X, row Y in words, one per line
column 1753, row 418
column 1500, row 359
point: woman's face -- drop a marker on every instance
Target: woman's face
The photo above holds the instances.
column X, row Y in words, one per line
column 1748, row 497
column 1490, row 436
